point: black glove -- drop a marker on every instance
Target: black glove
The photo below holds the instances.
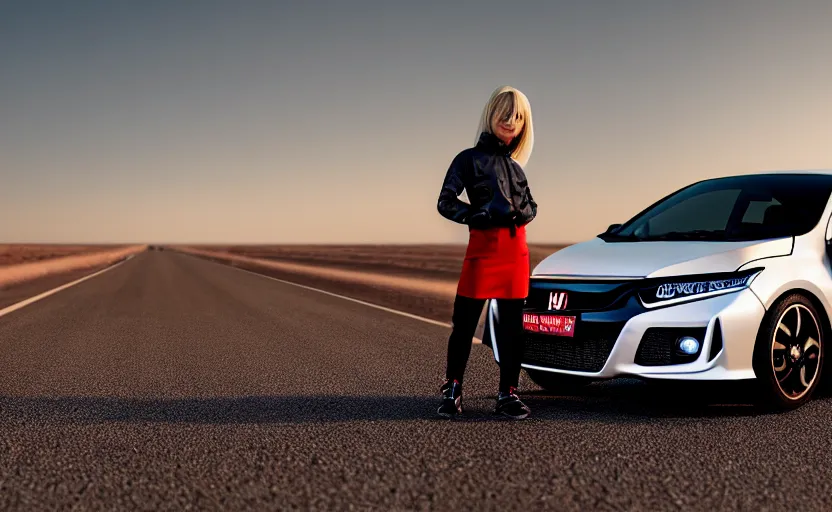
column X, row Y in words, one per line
column 479, row 220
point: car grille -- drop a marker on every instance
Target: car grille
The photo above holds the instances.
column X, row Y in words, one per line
column 581, row 295
column 587, row 351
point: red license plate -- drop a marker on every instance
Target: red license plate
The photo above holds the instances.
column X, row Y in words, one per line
column 549, row 324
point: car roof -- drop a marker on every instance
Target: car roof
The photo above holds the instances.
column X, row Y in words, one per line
column 819, row 175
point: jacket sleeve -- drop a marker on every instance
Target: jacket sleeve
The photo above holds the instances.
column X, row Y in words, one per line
column 449, row 205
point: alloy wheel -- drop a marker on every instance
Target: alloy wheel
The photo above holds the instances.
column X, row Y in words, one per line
column 796, row 351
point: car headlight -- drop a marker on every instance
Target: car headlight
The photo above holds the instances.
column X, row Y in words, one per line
column 665, row 291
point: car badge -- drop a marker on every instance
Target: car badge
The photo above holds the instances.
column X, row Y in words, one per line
column 557, row 300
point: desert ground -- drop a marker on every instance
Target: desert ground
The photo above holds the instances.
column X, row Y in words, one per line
column 14, row 254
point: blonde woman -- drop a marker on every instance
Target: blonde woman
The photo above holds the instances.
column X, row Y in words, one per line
column 496, row 264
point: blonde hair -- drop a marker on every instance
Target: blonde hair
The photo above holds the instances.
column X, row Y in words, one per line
column 507, row 101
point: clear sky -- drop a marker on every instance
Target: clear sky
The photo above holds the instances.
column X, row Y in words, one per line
column 310, row 121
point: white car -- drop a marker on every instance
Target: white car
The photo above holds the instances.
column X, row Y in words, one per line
column 725, row 279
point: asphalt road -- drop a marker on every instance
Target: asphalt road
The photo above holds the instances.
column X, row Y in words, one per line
column 171, row 382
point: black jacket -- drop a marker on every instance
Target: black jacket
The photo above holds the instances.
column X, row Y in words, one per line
column 495, row 184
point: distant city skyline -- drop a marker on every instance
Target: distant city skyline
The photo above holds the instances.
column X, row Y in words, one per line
column 328, row 122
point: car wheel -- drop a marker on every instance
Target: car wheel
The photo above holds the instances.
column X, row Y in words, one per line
column 557, row 382
column 789, row 354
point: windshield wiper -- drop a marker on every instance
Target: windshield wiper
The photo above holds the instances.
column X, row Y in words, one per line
column 696, row 234
column 613, row 236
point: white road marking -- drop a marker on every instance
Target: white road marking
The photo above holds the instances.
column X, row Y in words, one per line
column 23, row 303
column 370, row 304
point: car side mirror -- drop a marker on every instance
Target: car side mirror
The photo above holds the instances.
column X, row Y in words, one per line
column 612, row 227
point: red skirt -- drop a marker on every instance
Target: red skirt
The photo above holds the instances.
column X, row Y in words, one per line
column 496, row 265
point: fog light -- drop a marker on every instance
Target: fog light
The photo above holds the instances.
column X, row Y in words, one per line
column 689, row 345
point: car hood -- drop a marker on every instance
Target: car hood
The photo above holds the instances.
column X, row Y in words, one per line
column 596, row 257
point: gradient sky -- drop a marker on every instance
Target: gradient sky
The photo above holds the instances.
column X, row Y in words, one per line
column 278, row 122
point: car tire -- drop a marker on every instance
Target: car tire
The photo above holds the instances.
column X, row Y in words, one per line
column 557, row 382
column 788, row 354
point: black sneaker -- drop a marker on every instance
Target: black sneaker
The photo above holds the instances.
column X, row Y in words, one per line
column 509, row 405
column 451, row 399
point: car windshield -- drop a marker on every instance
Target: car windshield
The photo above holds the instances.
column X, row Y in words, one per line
column 732, row 209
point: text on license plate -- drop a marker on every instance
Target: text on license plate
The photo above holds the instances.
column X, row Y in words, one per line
column 549, row 324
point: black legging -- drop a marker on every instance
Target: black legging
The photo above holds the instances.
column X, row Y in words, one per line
column 509, row 332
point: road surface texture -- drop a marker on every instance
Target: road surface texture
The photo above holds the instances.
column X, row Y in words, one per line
column 173, row 383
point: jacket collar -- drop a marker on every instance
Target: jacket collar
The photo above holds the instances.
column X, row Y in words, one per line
column 492, row 144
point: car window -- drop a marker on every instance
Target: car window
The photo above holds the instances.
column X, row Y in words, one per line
column 753, row 207
column 709, row 211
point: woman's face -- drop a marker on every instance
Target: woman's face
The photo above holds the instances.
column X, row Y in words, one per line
column 507, row 129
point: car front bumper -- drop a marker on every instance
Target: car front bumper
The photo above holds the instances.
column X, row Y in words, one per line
column 725, row 325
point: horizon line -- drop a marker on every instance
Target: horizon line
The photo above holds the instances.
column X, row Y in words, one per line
column 254, row 243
